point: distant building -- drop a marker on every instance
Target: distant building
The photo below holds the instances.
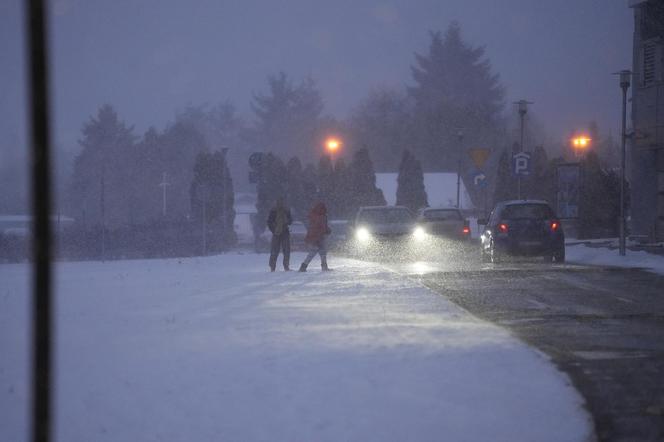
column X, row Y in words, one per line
column 647, row 139
column 440, row 188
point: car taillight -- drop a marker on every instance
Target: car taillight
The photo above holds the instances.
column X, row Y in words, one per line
column 466, row 230
column 554, row 225
column 502, row 227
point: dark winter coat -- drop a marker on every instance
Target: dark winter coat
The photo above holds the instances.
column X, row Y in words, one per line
column 317, row 228
column 272, row 220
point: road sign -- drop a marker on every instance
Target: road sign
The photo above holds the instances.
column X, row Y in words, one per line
column 568, row 190
column 255, row 160
column 479, row 179
column 479, row 157
column 521, row 164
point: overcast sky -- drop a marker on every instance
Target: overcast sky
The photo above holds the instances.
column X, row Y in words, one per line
column 150, row 57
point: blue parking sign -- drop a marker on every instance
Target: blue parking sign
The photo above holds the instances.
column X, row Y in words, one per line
column 521, row 164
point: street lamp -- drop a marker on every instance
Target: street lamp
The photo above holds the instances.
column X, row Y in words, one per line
column 580, row 143
column 460, row 136
column 332, row 145
column 625, row 77
column 523, row 110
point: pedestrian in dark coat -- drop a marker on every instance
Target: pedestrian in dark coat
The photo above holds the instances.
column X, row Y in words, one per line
column 278, row 221
column 317, row 230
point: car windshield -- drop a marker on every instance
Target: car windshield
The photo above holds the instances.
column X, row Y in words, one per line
column 442, row 214
column 385, row 216
column 527, row 211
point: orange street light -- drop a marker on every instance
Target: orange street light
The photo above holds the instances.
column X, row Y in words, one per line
column 581, row 142
column 332, row 144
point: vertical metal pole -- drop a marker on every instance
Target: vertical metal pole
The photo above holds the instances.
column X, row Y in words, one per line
column 103, row 214
column 41, row 206
column 458, row 193
column 622, row 173
column 163, row 195
column 518, row 185
column 204, row 222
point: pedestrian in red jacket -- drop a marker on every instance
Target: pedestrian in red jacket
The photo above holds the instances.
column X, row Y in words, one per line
column 317, row 230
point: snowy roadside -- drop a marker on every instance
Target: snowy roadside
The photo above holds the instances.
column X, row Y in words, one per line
column 582, row 254
column 216, row 348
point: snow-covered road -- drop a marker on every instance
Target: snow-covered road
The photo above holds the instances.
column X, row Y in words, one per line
column 211, row 349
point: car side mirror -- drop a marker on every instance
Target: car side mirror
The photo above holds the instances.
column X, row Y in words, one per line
column 481, row 222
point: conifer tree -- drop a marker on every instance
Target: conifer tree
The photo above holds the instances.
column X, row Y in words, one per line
column 410, row 183
column 104, row 172
column 212, row 195
column 295, row 192
column 270, row 187
column 454, row 88
column 363, row 179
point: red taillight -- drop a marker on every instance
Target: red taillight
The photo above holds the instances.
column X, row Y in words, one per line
column 466, row 230
column 502, row 227
column 554, row 225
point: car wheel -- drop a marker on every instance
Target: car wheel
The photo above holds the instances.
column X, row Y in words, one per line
column 495, row 256
column 484, row 256
column 559, row 256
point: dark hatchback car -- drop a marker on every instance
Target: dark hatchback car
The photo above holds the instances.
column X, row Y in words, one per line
column 445, row 222
column 525, row 228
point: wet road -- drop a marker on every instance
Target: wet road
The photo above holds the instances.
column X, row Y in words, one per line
column 602, row 326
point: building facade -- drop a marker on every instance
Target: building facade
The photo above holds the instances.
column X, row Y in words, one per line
column 647, row 137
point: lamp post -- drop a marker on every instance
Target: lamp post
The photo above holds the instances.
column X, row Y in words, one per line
column 625, row 77
column 579, row 144
column 332, row 145
column 458, row 195
column 224, row 216
column 522, row 106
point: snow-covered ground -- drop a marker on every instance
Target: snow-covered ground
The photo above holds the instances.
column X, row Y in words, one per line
column 582, row 254
column 211, row 349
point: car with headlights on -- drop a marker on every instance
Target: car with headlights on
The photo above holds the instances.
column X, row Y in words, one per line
column 386, row 230
column 522, row 227
column 446, row 222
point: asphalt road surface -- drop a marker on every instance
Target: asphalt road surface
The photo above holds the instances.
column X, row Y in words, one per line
column 603, row 326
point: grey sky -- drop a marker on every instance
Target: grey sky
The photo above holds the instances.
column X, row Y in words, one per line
column 151, row 57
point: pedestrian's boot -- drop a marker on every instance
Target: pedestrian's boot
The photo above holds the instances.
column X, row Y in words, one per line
column 323, row 265
column 272, row 269
column 303, row 267
column 286, row 269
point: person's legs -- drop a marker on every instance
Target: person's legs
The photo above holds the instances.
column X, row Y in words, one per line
column 274, row 251
column 322, row 250
column 313, row 249
column 285, row 248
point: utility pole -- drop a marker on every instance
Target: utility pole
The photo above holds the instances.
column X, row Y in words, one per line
column 523, row 110
column 163, row 186
column 458, row 195
column 102, row 198
column 203, row 194
column 625, row 77
column 223, row 195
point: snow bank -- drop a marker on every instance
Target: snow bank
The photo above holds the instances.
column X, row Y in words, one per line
column 583, row 254
column 217, row 348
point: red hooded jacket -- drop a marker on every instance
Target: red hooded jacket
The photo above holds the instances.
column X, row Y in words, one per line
column 318, row 227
